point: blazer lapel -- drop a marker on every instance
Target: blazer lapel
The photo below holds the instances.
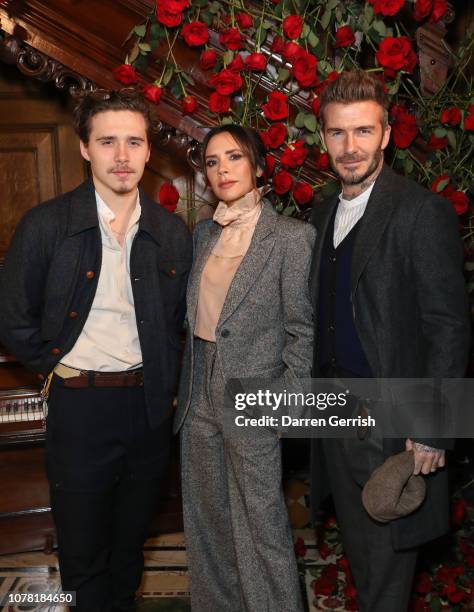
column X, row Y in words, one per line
column 320, row 218
column 253, row 262
column 198, row 266
column 373, row 223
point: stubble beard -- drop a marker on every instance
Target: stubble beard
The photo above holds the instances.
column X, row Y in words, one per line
column 351, row 178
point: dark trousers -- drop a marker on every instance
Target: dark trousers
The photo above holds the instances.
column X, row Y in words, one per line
column 104, row 465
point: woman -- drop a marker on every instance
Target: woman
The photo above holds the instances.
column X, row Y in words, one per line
column 249, row 315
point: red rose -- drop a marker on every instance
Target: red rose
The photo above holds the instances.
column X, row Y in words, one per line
column 231, row 39
column 322, row 161
column 256, row 62
column 292, row 26
column 343, row 564
column 423, row 583
column 324, row 586
column 324, row 550
column 396, row 54
column 226, row 82
column 469, row 119
column 188, row 104
column 168, row 196
column 170, row 12
column 303, row 193
column 445, row 180
column 125, row 74
column 219, row 103
column 275, row 136
column 278, row 45
column 300, row 548
column 195, row 33
column 304, row 69
column 435, row 143
column 282, row 182
column 291, row 51
column 244, row 20
column 422, row 9
column 237, row 64
column 315, row 105
column 208, row 59
column 294, row 155
column 350, row 591
column 344, row 36
column 276, row 107
column 332, row 76
column 439, row 9
column 404, row 128
column 387, row 7
column 152, row 93
column 460, row 202
column 270, row 162
column 451, row 116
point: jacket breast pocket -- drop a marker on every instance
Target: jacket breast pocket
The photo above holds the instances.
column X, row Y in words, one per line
column 172, row 277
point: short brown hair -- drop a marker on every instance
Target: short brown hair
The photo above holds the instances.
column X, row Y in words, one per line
column 355, row 86
column 101, row 101
column 248, row 138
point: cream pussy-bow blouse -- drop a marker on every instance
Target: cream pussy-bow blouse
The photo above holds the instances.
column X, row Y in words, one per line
column 238, row 221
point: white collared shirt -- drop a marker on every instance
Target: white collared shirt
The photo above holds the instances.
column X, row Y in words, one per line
column 109, row 339
column 348, row 214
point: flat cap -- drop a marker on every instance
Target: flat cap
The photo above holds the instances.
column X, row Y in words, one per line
column 393, row 490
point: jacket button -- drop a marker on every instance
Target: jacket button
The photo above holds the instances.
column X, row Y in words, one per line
column 331, row 328
column 40, row 376
column 72, row 314
column 332, row 259
column 136, row 279
column 56, row 351
column 173, row 271
column 225, row 333
column 90, row 274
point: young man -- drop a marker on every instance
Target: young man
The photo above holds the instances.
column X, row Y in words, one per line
column 93, row 291
column 390, row 302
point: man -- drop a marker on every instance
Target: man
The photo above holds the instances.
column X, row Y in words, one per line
column 93, row 292
column 390, row 302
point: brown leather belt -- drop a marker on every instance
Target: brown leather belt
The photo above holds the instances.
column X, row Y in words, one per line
column 131, row 378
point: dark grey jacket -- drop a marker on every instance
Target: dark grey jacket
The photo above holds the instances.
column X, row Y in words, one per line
column 410, row 309
column 50, row 277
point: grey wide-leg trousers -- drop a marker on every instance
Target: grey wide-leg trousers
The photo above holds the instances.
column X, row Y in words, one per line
column 238, row 540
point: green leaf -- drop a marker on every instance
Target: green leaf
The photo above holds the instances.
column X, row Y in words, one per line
column 228, row 56
column 200, row 3
column 283, row 75
column 309, row 139
column 469, row 266
column 144, row 47
column 324, row 67
column 299, row 120
column 305, row 31
column 134, row 53
column 330, row 4
column 267, row 25
column 227, row 120
column 441, row 185
column 326, row 18
column 451, row 138
column 261, row 37
column 140, row 30
column 313, row 40
column 338, row 14
column 393, row 89
column 409, row 166
column 167, row 76
column 214, row 8
column 289, row 210
column 310, row 122
column 155, row 31
column 368, row 15
column 188, row 78
column 440, row 132
column 380, row 27
column 207, row 18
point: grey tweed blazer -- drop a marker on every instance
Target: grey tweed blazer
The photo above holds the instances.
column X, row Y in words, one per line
column 265, row 328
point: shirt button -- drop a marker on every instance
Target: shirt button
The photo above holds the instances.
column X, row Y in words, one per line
column 90, row 274
column 56, row 351
column 225, row 333
column 331, row 328
column 72, row 314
